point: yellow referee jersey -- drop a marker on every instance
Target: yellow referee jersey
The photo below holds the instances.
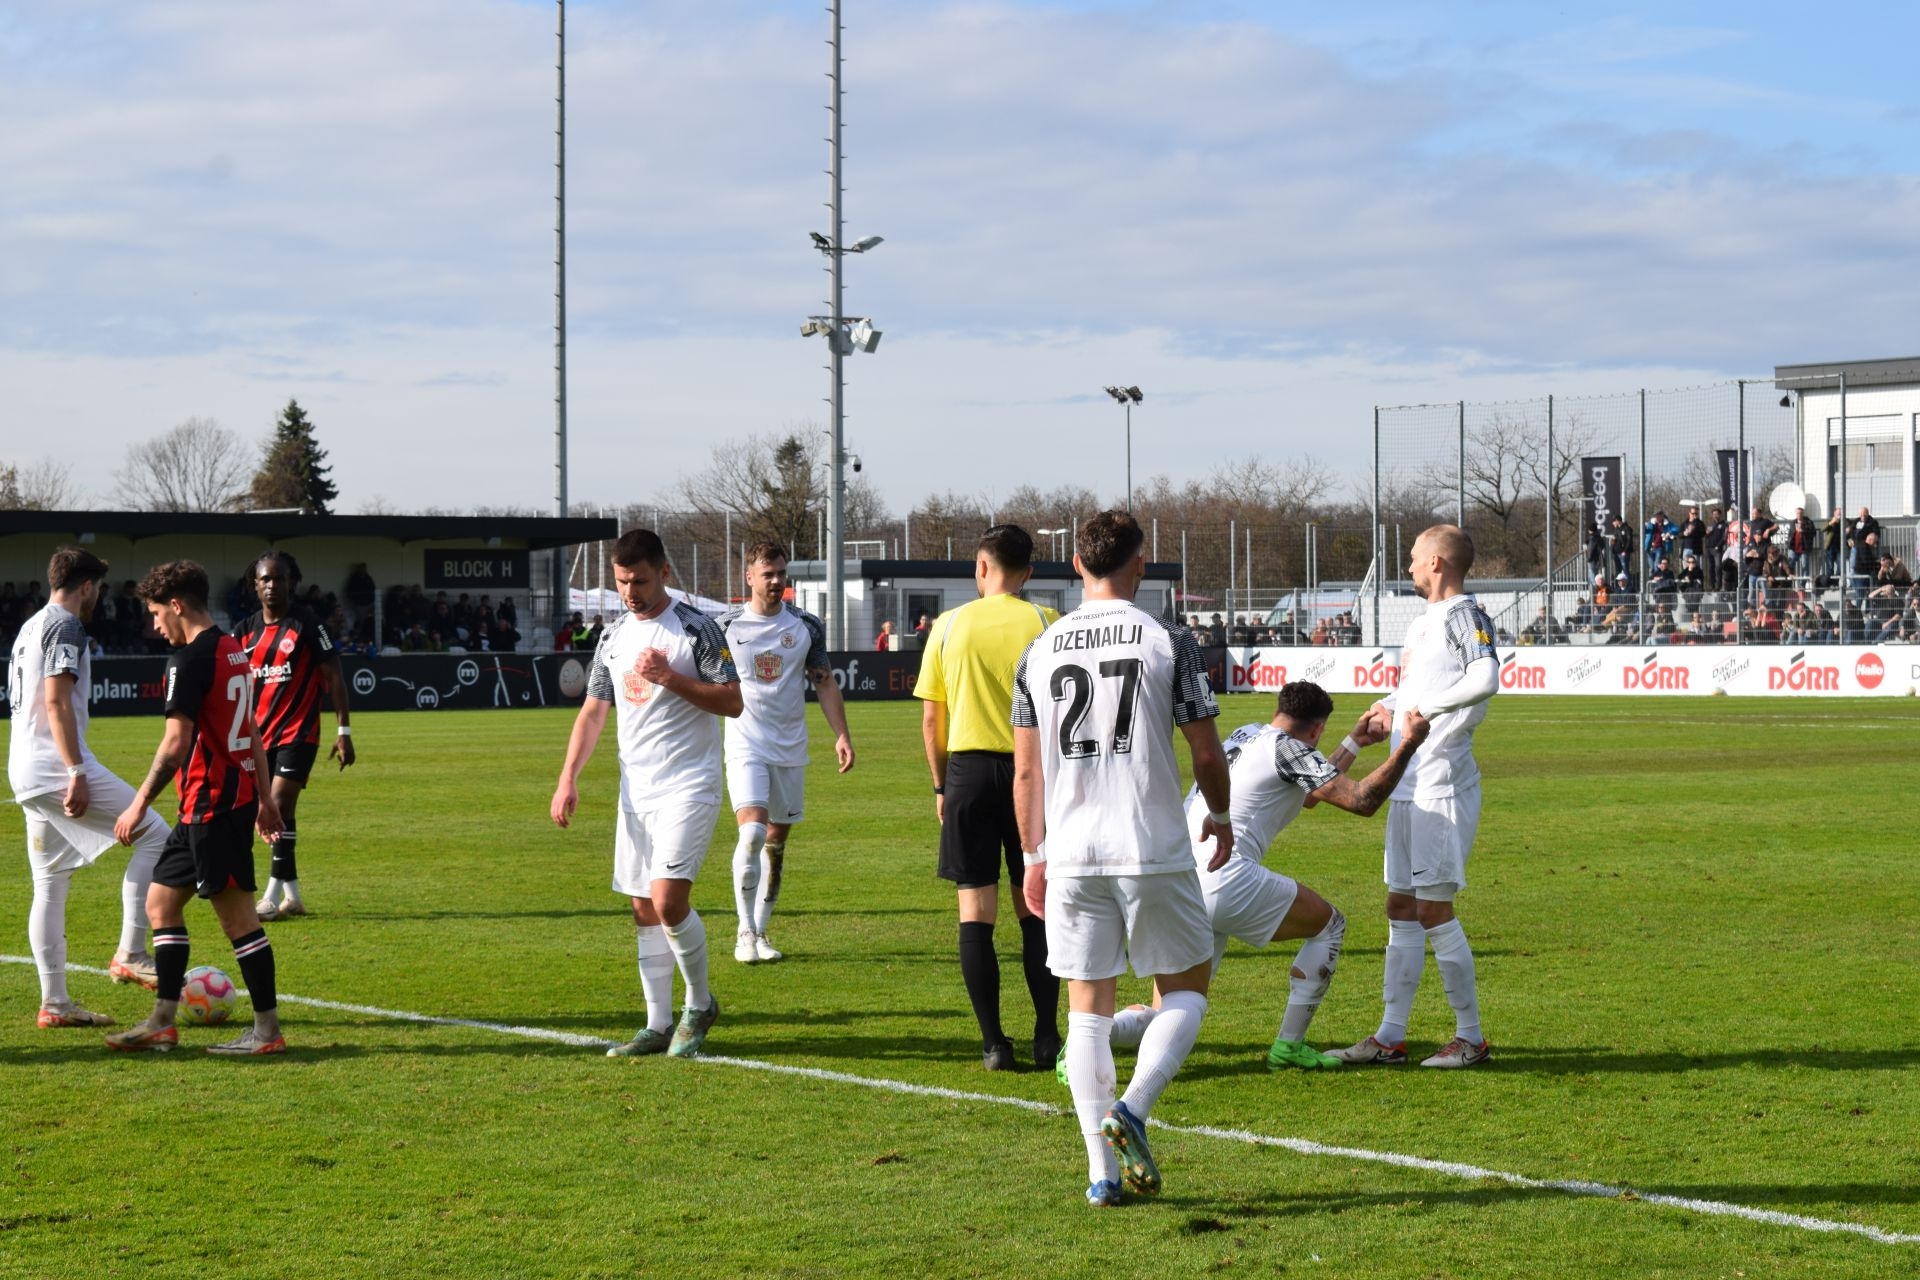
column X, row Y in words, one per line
column 971, row 655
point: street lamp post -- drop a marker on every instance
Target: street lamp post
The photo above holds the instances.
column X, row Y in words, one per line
column 1058, row 554
column 1128, row 396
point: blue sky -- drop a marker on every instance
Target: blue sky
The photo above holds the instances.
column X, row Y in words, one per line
column 1271, row 216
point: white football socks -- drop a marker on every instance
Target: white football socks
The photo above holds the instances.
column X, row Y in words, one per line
column 47, row 935
column 147, row 845
column 1163, row 1048
column 1406, row 957
column 1091, row 1077
column 746, row 872
column 776, row 851
column 1312, row 974
column 1455, row 959
column 689, row 942
column 656, row 976
column 1130, row 1024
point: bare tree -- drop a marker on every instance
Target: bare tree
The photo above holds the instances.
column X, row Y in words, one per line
column 46, row 485
column 197, row 466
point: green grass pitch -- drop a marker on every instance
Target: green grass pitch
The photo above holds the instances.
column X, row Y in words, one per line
column 1693, row 919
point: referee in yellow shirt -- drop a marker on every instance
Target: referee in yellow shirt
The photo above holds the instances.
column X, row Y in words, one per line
column 966, row 692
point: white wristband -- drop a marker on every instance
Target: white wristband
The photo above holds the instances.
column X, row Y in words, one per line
column 344, row 731
column 1221, row 819
column 1348, row 745
column 75, row 770
column 1033, row 859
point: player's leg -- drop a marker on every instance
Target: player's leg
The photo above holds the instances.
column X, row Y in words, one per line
column 241, row 923
column 631, row 878
column 52, row 861
column 290, row 768
column 132, row 961
column 679, row 837
column 970, row 857
column 174, row 879
column 1043, row 988
column 1448, row 829
column 747, row 792
column 1406, row 949
column 1170, row 939
column 1087, row 948
column 1311, row 917
column 769, row 896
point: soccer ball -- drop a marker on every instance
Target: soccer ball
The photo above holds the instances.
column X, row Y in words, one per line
column 208, row 996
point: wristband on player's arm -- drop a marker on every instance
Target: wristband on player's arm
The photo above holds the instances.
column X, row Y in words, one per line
column 1348, row 745
column 1033, row 859
column 1224, row 819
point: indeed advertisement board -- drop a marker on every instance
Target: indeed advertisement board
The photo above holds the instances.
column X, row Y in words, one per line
column 1740, row 671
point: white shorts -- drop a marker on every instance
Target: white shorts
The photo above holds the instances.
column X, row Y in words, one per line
column 780, row 789
column 1428, row 842
column 1247, row 901
column 668, row 843
column 1097, row 924
column 56, row 842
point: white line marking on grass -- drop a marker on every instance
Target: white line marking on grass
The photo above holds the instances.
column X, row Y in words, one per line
column 1299, row 1146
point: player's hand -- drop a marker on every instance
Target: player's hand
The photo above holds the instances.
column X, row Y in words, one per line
column 1222, row 834
column 1363, row 732
column 939, row 808
column 342, row 751
column 843, row 752
column 1417, row 727
column 128, row 823
column 267, row 819
column 74, row 803
column 566, row 798
column 654, row 666
column 1382, row 716
column 1033, row 887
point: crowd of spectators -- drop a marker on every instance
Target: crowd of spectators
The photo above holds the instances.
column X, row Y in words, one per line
column 413, row 622
column 1254, row 629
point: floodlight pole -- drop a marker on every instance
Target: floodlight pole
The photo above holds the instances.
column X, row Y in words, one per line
column 561, row 577
column 1129, row 404
column 837, row 492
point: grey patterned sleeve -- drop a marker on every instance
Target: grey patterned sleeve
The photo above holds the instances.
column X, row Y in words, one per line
column 1470, row 634
column 817, row 659
column 61, row 645
column 711, row 656
column 1192, row 694
column 599, row 679
column 1301, row 765
column 1024, row 716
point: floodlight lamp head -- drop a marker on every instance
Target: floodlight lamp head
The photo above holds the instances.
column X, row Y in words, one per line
column 865, row 337
column 1117, row 393
column 811, row 327
column 820, row 242
column 865, row 243
column 1133, row 394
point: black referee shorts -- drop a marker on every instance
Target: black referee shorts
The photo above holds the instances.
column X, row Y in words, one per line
column 210, row 856
column 980, row 835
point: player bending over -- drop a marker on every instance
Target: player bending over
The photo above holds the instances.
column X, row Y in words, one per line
column 1096, row 780
column 209, row 741
column 782, row 649
column 1277, row 770
column 292, row 658
column 1448, row 669
column 665, row 667
column 69, row 798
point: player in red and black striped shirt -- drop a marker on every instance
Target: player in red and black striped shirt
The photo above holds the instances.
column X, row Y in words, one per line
column 211, row 747
column 293, row 659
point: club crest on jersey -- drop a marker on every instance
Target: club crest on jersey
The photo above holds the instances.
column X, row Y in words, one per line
column 287, row 644
column 639, row 688
column 786, row 640
column 767, row 666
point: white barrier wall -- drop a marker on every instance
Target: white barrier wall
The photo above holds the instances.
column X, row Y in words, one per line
column 1749, row 670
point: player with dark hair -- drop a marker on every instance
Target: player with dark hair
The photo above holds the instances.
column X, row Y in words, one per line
column 1108, row 859
column 966, row 692
column 1448, row 670
column 1278, row 770
column 665, row 667
column 210, row 744
column 292, row 657
column 69, row 798
column 782, row 649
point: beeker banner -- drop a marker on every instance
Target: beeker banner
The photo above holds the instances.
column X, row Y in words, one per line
column 1600, row 478
column 1740, row 671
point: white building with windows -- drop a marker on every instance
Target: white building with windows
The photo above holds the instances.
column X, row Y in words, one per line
column 1866, row 412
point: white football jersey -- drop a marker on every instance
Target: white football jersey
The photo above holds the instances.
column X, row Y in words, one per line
column 669, row 748
column 52, row 643
column 1105, row 685
column 773, row 655
column 1440, row 643
column 1272, row 774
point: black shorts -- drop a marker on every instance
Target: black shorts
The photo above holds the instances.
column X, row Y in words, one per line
column 980, row 834
column 212, row 856
column 295, row 760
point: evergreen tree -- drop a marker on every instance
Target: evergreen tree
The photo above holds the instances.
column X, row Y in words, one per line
column 293, row 469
